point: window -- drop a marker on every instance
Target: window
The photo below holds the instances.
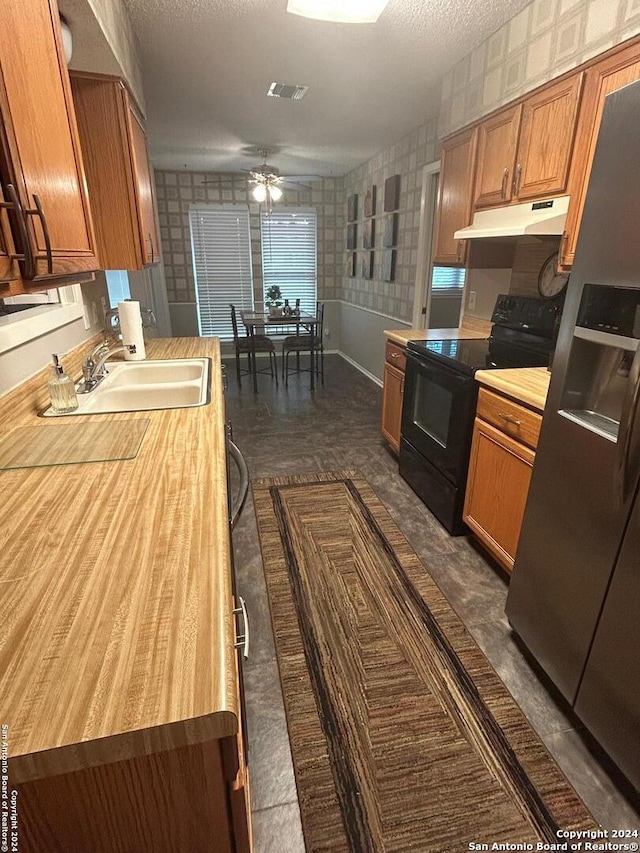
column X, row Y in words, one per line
column 221, row 247
column 289, row 255
column 447, row 281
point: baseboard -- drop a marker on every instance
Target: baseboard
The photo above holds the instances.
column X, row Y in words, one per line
column 360, row 368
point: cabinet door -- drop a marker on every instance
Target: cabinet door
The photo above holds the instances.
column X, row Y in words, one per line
column 455, row 196
column 392, row 396
column 497, row 145
column 605, row 77
column 497, row 488
column 42, row 152
column 144, row 190
column 547, row 134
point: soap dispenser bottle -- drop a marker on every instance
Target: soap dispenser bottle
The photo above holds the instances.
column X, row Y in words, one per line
column 61, row 389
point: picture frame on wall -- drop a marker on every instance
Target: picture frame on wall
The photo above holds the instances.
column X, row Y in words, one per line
column 353, row 264
column 367, row 265
column 352, row 207
column 389, row 265
column 370, row 201
column 390, row 234
column 352, row 236
column 392, row 193
column 368, row 234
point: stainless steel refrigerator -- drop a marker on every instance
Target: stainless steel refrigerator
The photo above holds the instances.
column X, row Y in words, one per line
column 574, row 596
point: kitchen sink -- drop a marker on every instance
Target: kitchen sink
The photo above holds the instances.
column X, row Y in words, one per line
column 143, row 386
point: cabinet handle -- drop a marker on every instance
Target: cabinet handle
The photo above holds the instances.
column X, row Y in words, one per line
column 238, row 503
column 151, row 245
column 27, row 257
column 459, row 251
column 242, row 640
column 39, row 212
column 516, row 180
column 563, row 247
column 509, row 419
column 394, row 355
column 505, row 179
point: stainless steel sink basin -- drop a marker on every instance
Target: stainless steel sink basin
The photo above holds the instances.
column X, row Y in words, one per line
column 143, row 386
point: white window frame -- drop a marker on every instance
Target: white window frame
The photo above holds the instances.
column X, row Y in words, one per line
column 24, row 326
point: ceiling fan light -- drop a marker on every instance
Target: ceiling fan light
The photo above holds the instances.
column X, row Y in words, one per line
column 275, row 193
column 259, row 193
column 340, row 11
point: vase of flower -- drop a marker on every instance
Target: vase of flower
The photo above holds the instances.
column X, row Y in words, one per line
column 274, row 301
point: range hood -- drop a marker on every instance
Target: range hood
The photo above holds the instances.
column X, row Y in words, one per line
column 537, row 218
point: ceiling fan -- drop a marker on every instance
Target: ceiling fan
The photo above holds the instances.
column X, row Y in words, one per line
column 267, row 183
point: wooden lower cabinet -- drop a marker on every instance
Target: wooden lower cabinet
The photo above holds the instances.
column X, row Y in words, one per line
column 177, row 801
column 393, row 394
column 499, row 476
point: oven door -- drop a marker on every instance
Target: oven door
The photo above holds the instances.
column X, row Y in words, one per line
column 437, row 414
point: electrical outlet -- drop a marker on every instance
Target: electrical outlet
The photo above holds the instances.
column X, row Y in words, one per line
column 94, row 313
column 471, row 304
column 327, row 333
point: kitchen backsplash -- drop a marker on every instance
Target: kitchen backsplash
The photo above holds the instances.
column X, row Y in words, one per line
column 548, row 38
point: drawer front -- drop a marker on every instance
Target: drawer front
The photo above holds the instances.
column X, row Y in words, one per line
column 394, row 354
column 512, row 418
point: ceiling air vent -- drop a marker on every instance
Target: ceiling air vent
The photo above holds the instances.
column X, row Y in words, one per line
column 287, row 90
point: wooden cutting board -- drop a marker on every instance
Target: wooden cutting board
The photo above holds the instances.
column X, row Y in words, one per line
column 71, row 443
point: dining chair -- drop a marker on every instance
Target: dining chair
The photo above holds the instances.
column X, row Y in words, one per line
column 242, row 346
column 301, row 344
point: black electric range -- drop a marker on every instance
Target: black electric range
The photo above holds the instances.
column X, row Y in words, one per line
column 440, row 395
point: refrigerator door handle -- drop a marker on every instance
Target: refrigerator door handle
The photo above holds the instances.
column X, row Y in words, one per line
column 628, row 450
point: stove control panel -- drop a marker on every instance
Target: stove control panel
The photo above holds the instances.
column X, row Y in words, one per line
column 528, row 314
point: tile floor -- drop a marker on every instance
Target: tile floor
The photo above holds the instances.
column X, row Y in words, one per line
column 292, row 432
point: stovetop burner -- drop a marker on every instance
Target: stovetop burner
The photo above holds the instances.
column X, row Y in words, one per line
column 523, row 335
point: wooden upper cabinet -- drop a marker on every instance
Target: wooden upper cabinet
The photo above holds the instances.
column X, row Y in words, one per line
column 144, row 188
column 119, row 174
column 40, row 152
column 612, row 73
column 455, row 196
column 547, row 135
column 497, row 147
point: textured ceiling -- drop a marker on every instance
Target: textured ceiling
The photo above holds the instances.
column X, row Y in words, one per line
column 207, row 65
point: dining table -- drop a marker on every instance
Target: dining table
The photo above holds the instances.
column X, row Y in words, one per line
column 263, row 322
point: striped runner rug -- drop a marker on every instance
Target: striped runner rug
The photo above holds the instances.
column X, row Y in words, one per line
column 403, row 737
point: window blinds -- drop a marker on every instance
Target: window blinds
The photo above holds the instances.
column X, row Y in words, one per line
column 447, row 280
column 289, row 255
column 221, row 247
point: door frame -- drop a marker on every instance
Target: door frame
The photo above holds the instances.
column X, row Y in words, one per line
column 428, row 202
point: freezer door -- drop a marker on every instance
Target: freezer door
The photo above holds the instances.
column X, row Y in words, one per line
column 609, row 694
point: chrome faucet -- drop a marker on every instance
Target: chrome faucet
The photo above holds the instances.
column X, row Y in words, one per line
column 93, row 372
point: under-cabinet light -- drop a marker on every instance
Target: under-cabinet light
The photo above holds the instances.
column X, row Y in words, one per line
column 340, row 11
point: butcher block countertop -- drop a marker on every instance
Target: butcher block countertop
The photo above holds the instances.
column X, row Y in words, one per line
column 117, row 634
column 526, row 385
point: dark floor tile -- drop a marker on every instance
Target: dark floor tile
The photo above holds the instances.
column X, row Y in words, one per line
column 592, row 782
column 272, row 778
column 473, row 588
column 278, row 830
column 546, row 712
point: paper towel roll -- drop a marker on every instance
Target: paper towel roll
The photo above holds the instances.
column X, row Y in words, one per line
column 131, row 330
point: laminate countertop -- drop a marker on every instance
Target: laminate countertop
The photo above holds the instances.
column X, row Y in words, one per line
column 527, row 385
column 117, row 635
column 465, row 332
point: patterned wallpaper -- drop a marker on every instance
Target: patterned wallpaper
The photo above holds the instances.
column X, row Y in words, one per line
column 176, row 190
column 548, row 38
column 406, row 158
